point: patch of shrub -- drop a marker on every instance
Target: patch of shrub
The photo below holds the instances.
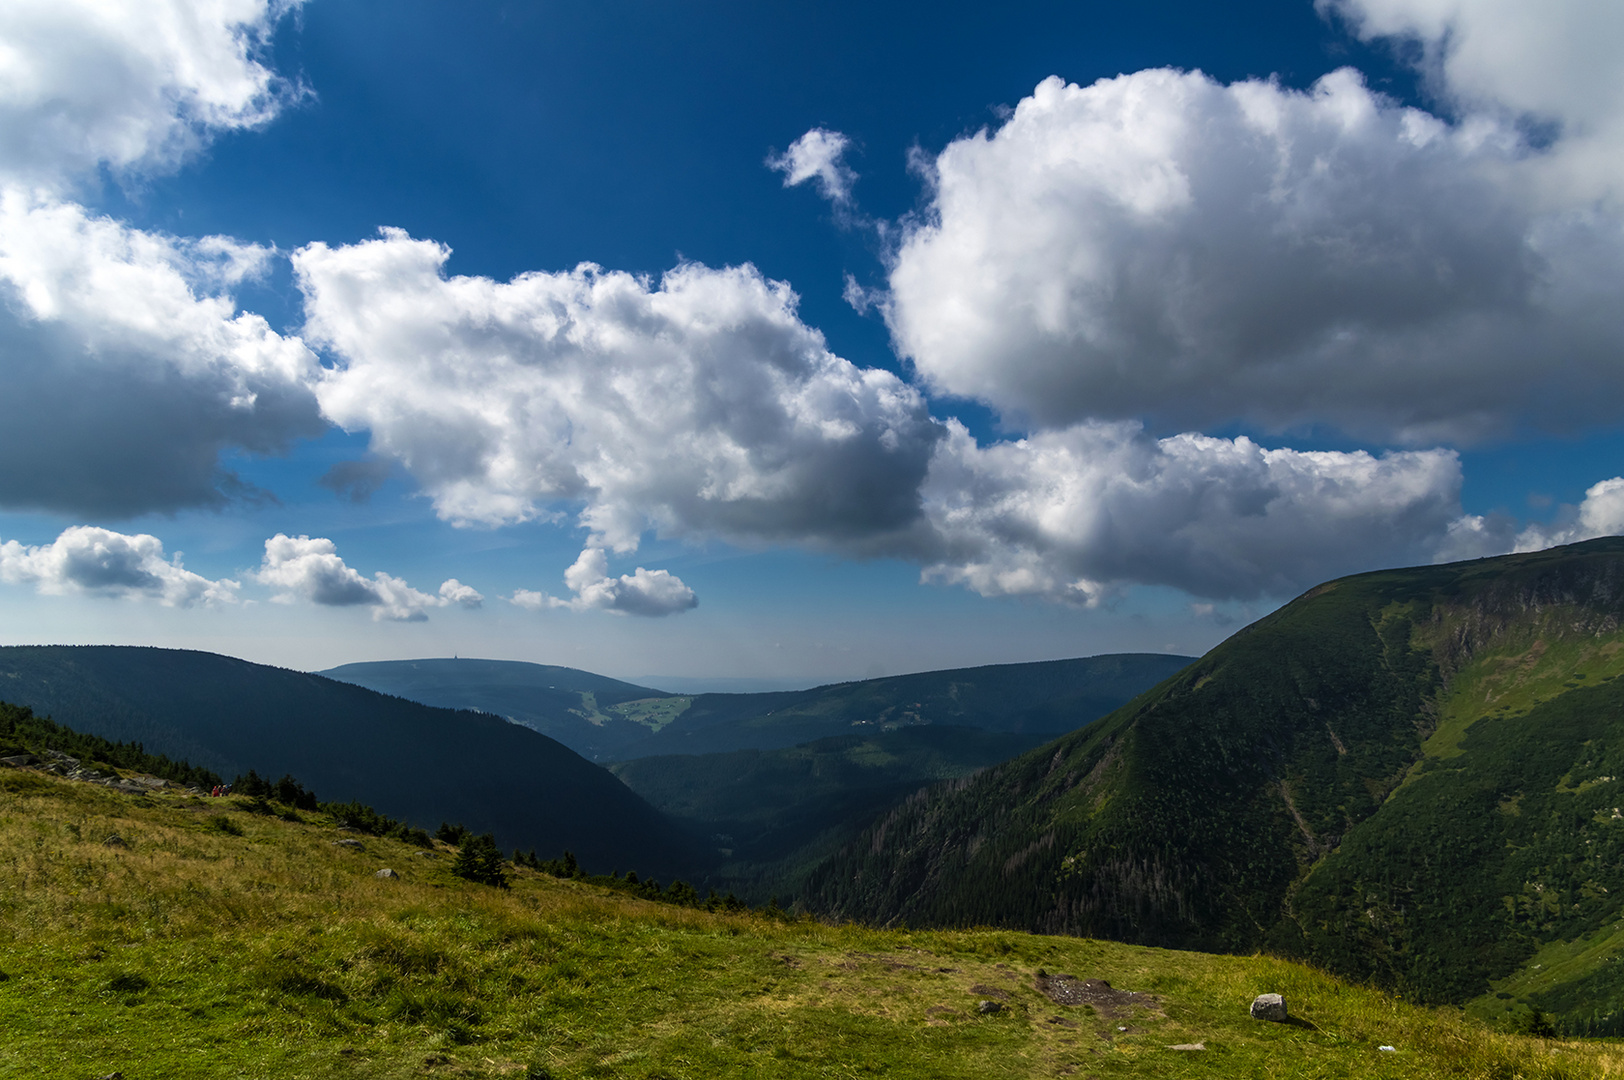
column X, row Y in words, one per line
column 128, row 982
column 455, row 1016
column 220, row 823
column 289, row 976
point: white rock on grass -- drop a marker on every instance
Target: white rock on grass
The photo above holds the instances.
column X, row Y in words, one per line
column 1270, row 1007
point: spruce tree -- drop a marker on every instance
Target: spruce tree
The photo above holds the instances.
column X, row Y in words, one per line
column 479, row 859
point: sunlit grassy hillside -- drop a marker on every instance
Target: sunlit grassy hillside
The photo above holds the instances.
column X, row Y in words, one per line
column 212, row 942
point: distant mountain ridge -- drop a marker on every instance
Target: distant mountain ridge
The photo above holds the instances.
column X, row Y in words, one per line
column 607, row 719
column 577, row 708
column 1410, row 775
column 410, row 761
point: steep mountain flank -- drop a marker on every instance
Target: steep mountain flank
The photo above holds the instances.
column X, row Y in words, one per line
column 410, row 761
column 1400, row 774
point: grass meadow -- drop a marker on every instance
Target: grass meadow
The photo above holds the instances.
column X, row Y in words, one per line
column 207, row 941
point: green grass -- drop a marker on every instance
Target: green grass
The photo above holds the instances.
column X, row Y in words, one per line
column 652, row 713
column 264, row 950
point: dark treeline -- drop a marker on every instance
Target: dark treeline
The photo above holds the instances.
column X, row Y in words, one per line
column 355, row 815
column 23, row 732
column 479, row 859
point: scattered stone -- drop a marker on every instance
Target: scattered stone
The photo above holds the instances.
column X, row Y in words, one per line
column 386, row 873
column 1189, row 1046
column 115, row 840
column 1389, row 1049
column 62, row 759
column 428, row 854
column 1271, row 1007
column 111, row 1076
column 990, row 991
column 989, row 1007
column 353, row 845
column 19, row 761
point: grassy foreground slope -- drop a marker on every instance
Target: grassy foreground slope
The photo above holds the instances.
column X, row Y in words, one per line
column 209, row 942
column 1409, row 775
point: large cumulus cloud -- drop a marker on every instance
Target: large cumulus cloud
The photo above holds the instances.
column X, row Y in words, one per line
column 1080, row 513
column 1163, row 246
column 650, row 593
column 100, row 562
column 135, row 87
column 128, row 369
column 1554, row 68
column 700, row 405
column 1153, row 254
column 310, row 569
column 703, row 407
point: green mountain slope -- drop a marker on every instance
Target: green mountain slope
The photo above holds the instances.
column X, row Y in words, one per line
column 410, row 761
column 210, row 942
column 596, row 716
column 605, row 719
column 1405, row 775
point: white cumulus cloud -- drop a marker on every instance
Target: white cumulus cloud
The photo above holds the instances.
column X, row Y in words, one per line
column 817, row 155
column 642, row 592
column 455, row 592
column 700, row 405
column 1082, row 513
column 1555, row 65
column 1165, row 247
column 310, row 569
column 129, row 369
column 99, row 562
column 134, row 86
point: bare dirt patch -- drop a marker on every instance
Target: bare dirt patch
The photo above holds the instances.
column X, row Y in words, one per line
column 1105, row 999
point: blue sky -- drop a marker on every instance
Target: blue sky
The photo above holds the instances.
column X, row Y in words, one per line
column 917, row 337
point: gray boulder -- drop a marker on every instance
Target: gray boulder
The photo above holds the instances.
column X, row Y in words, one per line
column 1270, row 1007
column 386, row 873
column 989, row 1007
